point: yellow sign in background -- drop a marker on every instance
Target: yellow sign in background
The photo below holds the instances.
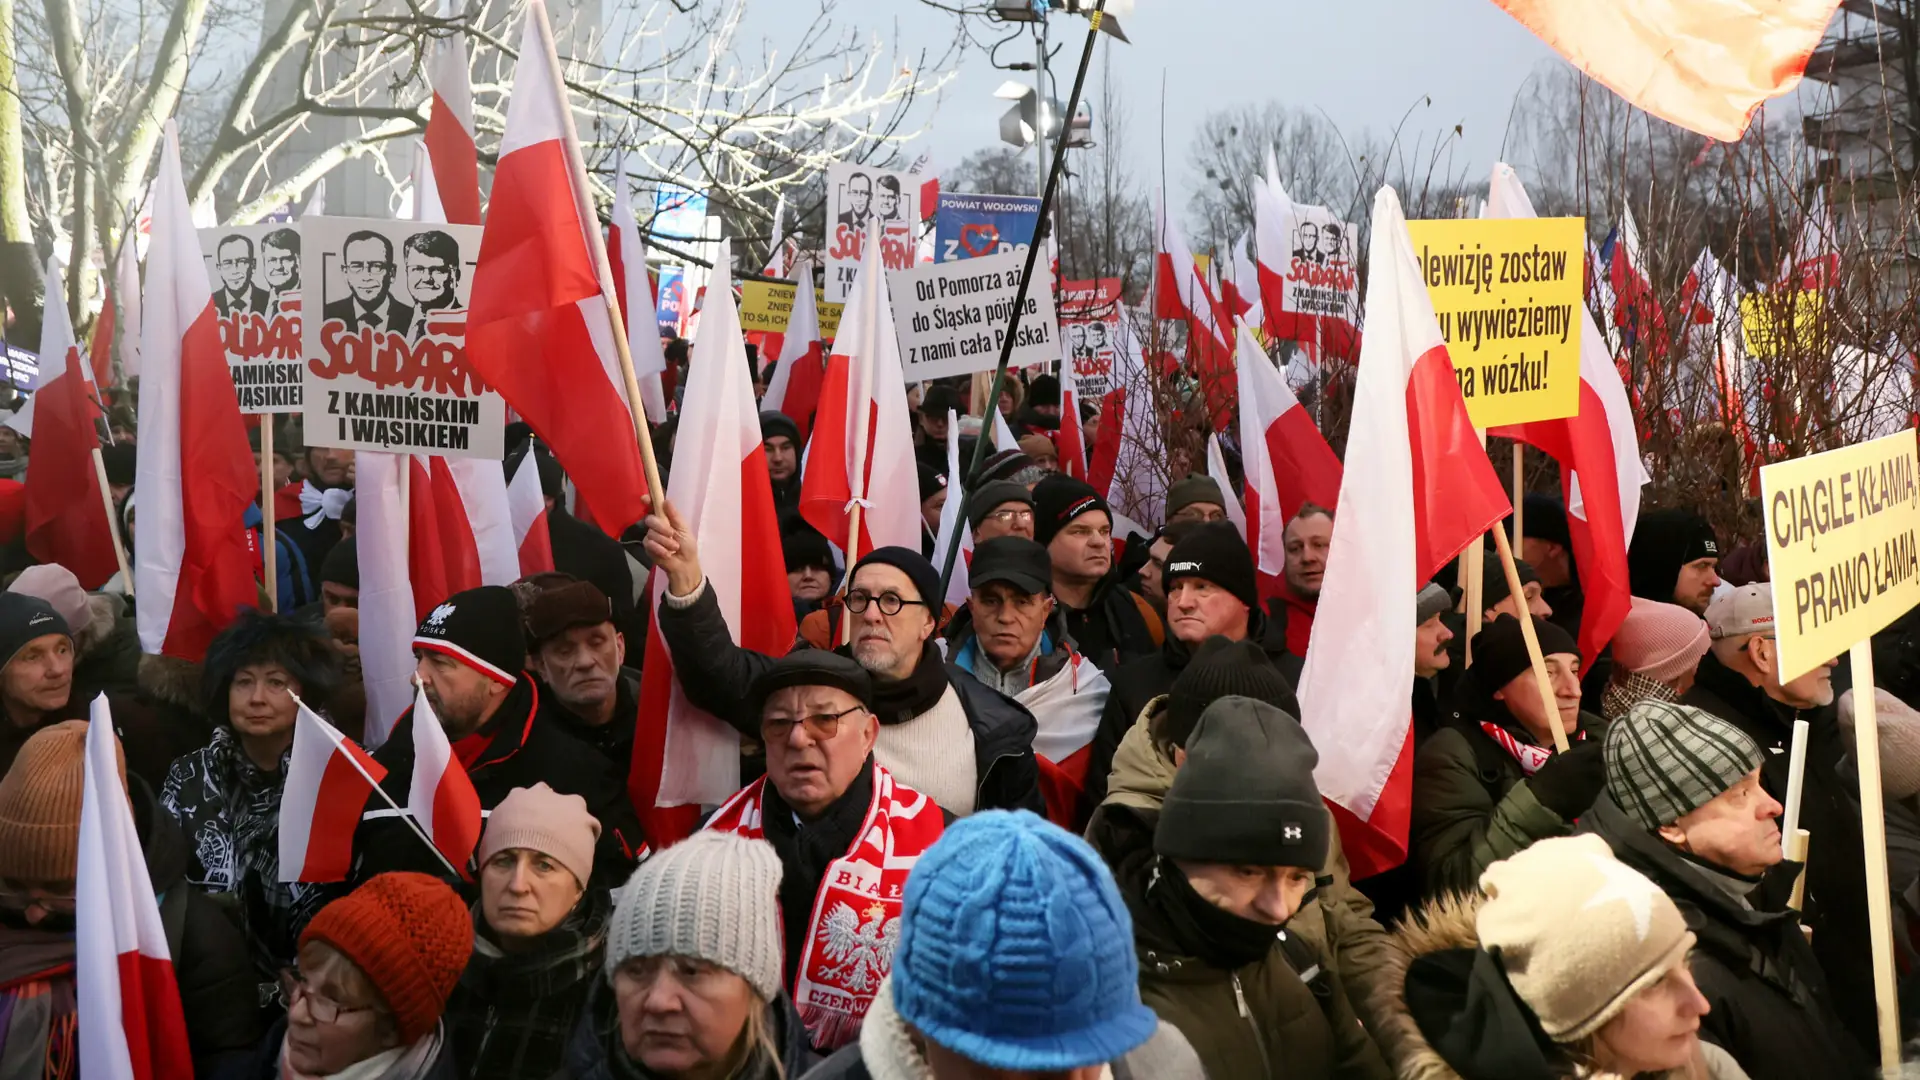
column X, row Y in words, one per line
column 1773, row 322
column 1843, row 539
column 767, row 307
column 1508, row 295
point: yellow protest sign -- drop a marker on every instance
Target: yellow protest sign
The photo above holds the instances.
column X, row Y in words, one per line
column 1773, row 322
column 766, row 306
column 1507, row 292
column 1841, row 540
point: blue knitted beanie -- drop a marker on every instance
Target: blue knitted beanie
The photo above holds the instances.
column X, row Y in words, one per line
column 1016, row 951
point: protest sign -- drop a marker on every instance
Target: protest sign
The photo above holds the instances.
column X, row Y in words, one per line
column 766, row 306
column 969, row 226
column 1318, row 281
column 859, row 198
column 1773, row 323
column 1507, row 293
column 951, row 318
column 255, row 271
column 1090, row 322
column 670, row 303
column 1841, row 542
column 21, row 368
column 386, row 344
column 679, row 213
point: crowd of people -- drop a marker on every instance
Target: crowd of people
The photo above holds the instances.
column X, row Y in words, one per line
column 1068, row 827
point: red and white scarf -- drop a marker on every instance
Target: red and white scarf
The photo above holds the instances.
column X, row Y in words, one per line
column 855, row 923
column 1529, row 756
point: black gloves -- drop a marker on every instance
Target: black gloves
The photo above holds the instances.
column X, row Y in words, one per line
column 1568, row 783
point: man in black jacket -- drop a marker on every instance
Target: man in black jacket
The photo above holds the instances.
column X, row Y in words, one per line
column 580, row 658
column 1684, row 805
column 780, row 440
column 1111, row 625
column 942, row 732
column 471, row 651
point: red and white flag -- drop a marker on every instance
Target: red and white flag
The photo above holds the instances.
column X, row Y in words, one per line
column 683, row 757
column 442, row 558
column 193, row 568
column 1599, row 456
column 1422, row 489
column 1637, row 311
column 538, row 329
column 1217, row 468
column 126, row 290
column 1814, row 260
column 862, row 446
column 66, row 516
column 1286, row 461
column 953, row 521
column 388, row 614
column 1243, row 288
column 527, row 505
column 329, row 779
column 799, row 357
column 1705, row 65
column 1070, row 442
column 450, row 142
column 1180, row 292
column 1126, row 463
column 627, row 255
column 440, row 795
column 780, row 251
column 128, row 1004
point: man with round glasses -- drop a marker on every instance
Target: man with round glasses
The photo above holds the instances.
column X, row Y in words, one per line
column 847, row 832
column 940, row 730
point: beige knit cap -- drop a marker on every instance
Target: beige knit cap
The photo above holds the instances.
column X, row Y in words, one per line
column 541, row 819
column 1579, row 932
column 40, row 799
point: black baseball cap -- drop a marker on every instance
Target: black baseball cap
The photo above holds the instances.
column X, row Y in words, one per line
column 1014, row 560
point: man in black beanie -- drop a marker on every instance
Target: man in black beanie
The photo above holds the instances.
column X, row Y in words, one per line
column 1547, row 546
column 1109, row 622
column 1674, row 559
column 1489, row 783
column 340, row 577
column 780, row 441
column 933, row 499
column 1000, row 508
column 810, row 569
column 472, row 651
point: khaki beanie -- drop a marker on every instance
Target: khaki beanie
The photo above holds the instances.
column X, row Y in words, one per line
column 541, row 819
column 40, row 804
column 714, row 896
column 1579, row 932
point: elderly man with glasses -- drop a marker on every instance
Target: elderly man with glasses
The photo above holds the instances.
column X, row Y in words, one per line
column 941, row 731
column 847, row 832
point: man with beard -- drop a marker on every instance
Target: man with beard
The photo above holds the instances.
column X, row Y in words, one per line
column 942, row 731
column 472, row 651
column 233, row 261
column 1674, row 559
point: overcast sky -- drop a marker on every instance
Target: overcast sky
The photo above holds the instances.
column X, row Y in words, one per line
column 1362, row 61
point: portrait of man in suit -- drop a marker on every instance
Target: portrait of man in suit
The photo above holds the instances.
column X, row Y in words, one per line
column 233, row 261
column 859, row 201
column 280, row 259
column 366, row 261
column 431, row 261
column 886, row 201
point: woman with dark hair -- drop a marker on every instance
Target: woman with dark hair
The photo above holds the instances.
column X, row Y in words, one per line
column 226, row 795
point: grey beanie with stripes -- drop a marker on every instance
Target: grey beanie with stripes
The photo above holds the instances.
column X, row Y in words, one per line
column 1664, row 761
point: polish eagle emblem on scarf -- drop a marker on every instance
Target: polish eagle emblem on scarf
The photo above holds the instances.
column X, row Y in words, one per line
column 861, row 951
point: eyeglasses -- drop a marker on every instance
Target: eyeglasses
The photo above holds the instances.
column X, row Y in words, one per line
column 1007, row 517
column 890, row 602
column 820, row 726
column 325, row 1010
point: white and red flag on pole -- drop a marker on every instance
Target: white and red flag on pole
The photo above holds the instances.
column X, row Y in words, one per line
column 799, row 357
column 683, row 757
column 66, row 514
column 1070, row 442
column 1599, row 456
column 388, row 614
column 1180, row 292
column 1217, row 468
column 1637, row 311
column 1423, row 488
column 953, row 521
column 627, row 255
column 1286, row 461
column 1125, row 466
column 450, row 142
column 862, row 447
column 126, row 290
column 1705, row 65
column 128, row 1005
column 527, row 505
column 440, row 795
column 538, row 329
column 1243, row 289
column 193, row 569
column 329, row 779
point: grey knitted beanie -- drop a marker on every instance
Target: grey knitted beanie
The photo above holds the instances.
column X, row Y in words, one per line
column 1664, row 761
column 713, row 896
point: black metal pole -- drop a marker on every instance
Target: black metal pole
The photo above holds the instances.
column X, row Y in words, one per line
column 1026, row 279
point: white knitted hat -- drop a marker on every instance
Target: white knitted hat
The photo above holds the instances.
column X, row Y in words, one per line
column 714, row 896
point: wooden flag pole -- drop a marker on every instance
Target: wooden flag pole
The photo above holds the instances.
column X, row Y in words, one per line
column 597, row 246
column 1539, row 662
column 113, row 520
column 1473, row 563
column 1873, row 823
column 268, row 545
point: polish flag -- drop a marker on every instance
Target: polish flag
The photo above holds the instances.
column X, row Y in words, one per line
column 1423, row 489
column 193, row 567
column 1705, row 65
column 128, row 1002
column 862, row 448
column 1813, row 262
column 953, row 520
column 538, row 329
column 66, row 515
column 683, row 757
column 1217, row 468
column 627, row 255
column 480, row 488
column 1245, row 286
column 527, row 506
column 329, row 779
column 388, row 613
column 442, row 558
column 1070, row 442
column 440, row 797
column 779, row 251
column 799, row 357
column 1126, row 463
column 1636, row 309
column 126, row 290
column 100, row 347
column 1181, row 293
column 450, row 141
column 1286, row 462
column 1599, row 456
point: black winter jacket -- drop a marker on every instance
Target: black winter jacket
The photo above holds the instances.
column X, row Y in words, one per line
column 614, row 739
column 513, row 1015
column 265, row 1062
column 716, row 674
column 1114, row 628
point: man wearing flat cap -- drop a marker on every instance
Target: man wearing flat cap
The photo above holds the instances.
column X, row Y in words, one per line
column 580, row 657
column 846, row 831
